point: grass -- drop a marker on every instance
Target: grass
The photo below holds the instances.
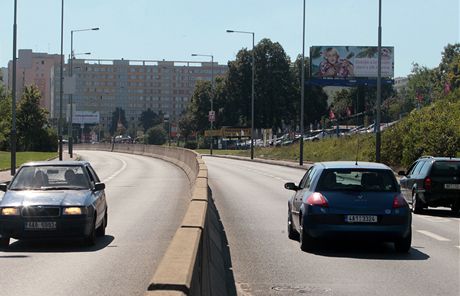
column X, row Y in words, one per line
column 344, row 148
column 23, row 157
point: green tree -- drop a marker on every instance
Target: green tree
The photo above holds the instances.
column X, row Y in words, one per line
column 273, row 86
column 156, row 135
column 187, row 125
column 119, row 123
column 32, row 124
column 149, row 119
column 5, row 119
column 315, row 98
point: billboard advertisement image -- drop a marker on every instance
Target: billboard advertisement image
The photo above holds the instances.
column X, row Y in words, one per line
column 348, row 62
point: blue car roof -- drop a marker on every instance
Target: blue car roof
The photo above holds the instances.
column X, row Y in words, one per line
column 353, row 165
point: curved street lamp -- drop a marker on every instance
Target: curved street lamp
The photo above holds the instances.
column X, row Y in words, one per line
column 72, row 57
column 252, row 88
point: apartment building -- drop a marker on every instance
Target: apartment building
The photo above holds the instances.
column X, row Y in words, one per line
column 35, row 68
column 133, row 85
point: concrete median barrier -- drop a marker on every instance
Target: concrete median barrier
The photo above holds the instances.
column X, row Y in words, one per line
column 197, row 261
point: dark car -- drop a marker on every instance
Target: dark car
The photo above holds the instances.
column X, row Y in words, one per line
column 53, row 199
column 432, row 182
column 342, row 199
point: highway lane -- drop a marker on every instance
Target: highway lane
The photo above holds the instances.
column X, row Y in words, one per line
column 252, row 204
column 147, row 199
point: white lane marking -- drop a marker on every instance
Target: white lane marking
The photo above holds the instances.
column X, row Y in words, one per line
column 458, row 247
column 435, row 236
column 117, row 172
column 435, row 219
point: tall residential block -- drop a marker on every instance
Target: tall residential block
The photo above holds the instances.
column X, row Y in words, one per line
column 34, row 68
column 135, row 86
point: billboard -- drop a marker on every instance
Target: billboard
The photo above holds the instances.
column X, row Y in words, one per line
column 349, row 62
column 85, row 117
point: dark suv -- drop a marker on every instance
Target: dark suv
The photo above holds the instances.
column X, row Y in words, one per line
column 432, row 181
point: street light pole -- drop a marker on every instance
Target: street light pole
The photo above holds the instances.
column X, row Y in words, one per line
column 212, row 92
column 379, row 86
column 252, row 88
column 13, row 105
column 61, row 78
column 302, row 90
column 72, row 57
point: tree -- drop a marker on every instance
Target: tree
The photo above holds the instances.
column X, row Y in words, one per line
column 5, row 119
column 315, row 98
column 156, row 135
column 34, row 133
column 149, row 119
column 119, row 123
column 187, row 125
column 273, row 86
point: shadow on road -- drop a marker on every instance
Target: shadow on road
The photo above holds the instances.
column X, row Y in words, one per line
column 363, row 249
column 58, row 246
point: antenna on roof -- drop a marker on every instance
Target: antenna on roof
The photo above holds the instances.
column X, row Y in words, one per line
column 357, row 135
column 357, row 149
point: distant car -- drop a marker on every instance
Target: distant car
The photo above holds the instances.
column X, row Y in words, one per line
column 318, row 135
column 53, row 199
column 343, row 198
column 432, row 182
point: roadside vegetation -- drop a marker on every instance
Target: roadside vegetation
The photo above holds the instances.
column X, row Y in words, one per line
column 23, row 157
column 430, row 104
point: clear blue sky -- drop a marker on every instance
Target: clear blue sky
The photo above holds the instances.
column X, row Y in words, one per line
column 174, row 29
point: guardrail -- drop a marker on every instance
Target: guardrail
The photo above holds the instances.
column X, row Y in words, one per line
column 197, row 260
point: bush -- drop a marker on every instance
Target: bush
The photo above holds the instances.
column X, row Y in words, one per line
column 156, row 136
column 190, row 145
column 433, row 130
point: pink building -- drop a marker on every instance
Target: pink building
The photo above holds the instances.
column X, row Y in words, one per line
column 37, row 69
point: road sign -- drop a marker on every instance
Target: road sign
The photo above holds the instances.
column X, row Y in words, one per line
column 212, row 116
column 213, row 133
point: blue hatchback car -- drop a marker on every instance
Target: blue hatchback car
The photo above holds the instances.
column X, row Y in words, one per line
column 349, row 198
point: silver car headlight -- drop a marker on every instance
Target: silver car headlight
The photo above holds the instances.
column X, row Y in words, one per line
column 70, row 211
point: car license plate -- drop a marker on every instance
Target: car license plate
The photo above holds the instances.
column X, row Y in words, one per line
column 40, row 225
column 452, row 186
column 360, row 219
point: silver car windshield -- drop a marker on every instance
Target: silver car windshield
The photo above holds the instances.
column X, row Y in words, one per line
column 50, row 177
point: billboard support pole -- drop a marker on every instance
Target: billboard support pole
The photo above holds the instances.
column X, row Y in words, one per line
column 379, row 86
column 302, row 90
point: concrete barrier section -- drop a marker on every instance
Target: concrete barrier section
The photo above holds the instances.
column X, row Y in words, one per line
column 197, row 261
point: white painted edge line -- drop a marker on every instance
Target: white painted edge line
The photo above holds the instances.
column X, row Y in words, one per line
column 432, row 235
column 123, row 167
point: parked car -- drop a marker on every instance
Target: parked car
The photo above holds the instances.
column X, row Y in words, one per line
column 317, row 135
column 53, row 199
column 345, row 198
column 432, row 182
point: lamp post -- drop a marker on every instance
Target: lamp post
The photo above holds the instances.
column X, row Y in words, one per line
column 252, row 89
column 13, row 105
column 212, row 117
column 61, row 78
column 72, row 57
column 302, row 89
column 379, row 86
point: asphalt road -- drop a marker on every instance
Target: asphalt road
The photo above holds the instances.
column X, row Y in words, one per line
column 147, row 199
column 252, row 204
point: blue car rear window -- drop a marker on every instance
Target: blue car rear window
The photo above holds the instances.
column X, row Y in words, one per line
column 357, row 180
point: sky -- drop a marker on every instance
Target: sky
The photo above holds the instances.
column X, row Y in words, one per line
column 174, row 29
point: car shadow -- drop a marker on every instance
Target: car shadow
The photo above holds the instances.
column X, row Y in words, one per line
column 365, row 249
column 439, row 212
column 58, row 246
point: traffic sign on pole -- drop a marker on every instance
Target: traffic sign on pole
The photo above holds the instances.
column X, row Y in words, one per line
column 212, row 116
